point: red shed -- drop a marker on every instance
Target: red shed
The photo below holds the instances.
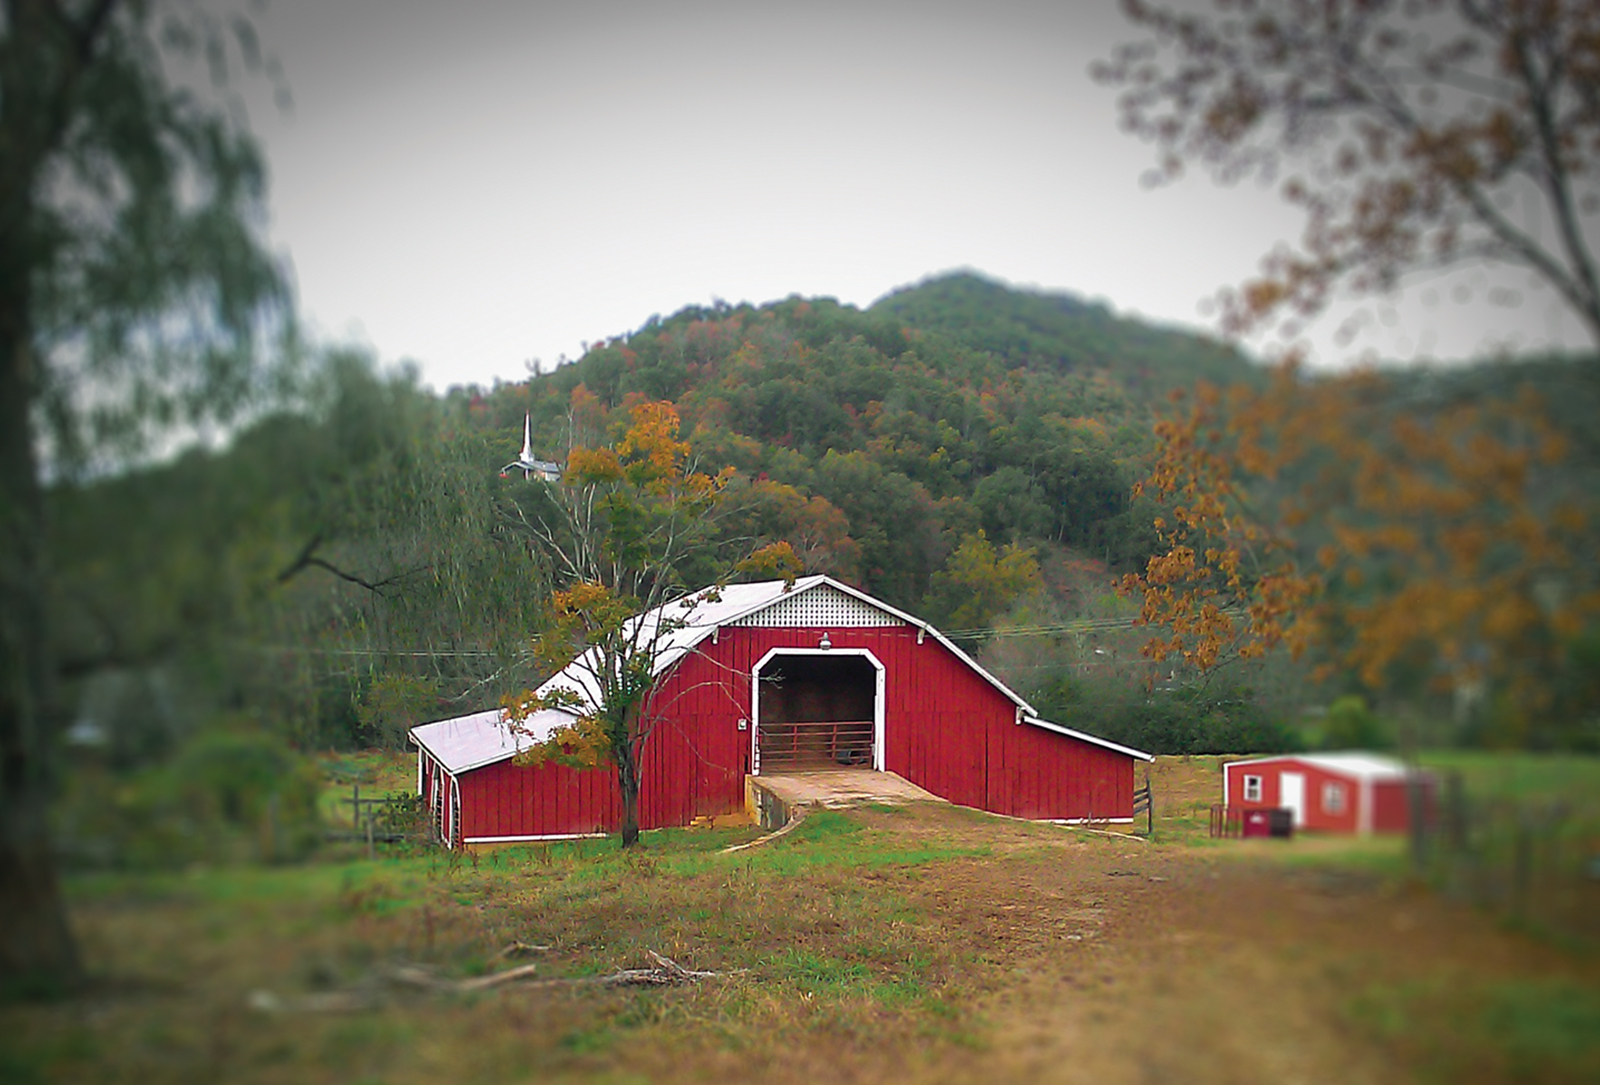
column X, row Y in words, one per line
column 769, row 678
column 1333, row 792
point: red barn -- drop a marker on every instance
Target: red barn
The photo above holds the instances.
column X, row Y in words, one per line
column 1332, row 792
column 765, row 679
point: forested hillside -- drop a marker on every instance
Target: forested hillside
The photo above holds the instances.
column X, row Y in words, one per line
column 1062, row 333
column 355, row 562
column 951, row 408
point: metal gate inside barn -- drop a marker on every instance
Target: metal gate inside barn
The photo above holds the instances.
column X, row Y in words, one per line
column 817, row 710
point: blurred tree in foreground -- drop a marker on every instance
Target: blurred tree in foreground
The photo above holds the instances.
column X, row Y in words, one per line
column 1421, row 546
column 622, row 530
column 134, row 295
column 1415, row 134
column 1417, row 542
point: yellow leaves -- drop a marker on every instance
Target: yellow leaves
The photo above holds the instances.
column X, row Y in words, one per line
column 587, row 599
column 652, row 439
column 775, row 560
column 592, row 466
column 582, row 744
column 1408, row 538
column 977, row 584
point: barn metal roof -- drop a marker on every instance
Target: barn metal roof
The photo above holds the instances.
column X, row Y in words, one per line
column 1356, row 764
column 705, row 611
column 482, row 738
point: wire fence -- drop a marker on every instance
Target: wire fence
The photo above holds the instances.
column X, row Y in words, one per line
column 1534, row 861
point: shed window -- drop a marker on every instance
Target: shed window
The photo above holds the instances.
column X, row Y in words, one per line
column 1332, row 798
column 1252, row 789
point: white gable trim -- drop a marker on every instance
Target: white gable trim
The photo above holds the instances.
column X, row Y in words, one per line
column 821, row 606
column 924, row 627
column 1091, row 739
column 572, row 677
column 879, row 699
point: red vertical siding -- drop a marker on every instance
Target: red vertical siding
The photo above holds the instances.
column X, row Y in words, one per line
column 1389, row 811
column 946, row 729
column 1391, row 805
column 507, row 799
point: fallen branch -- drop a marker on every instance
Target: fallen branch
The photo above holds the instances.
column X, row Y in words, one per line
column 666, row 972
column 517, row 949
column 495, row 979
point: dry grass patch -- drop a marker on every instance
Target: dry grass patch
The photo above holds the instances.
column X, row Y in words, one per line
column 922, row 943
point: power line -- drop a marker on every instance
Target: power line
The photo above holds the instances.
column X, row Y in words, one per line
column 1086, row 625
column 413, row 653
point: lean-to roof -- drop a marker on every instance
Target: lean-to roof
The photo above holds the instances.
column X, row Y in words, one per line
column 482, row 738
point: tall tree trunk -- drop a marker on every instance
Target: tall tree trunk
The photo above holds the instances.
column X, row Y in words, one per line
column 37, row 951
column 628, row 784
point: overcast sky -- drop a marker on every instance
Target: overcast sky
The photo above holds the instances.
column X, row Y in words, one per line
column 478, row 184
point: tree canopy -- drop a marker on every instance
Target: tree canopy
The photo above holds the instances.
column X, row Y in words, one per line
column 630, row 518
column 134, row 294
column 1414, row 134
column 1405, row 543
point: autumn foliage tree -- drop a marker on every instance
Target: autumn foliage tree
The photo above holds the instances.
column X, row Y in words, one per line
column 1414, row 134
column 1413, row 544
column 980, row 583
column 620, row 530
column 1410, row 541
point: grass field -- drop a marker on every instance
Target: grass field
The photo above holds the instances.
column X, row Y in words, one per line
column 921, row 943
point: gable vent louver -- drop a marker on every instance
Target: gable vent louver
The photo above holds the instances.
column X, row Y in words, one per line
column 820, row 607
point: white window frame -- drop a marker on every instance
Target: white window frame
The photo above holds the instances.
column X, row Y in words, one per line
column 1335, row 797
column 1252, row 788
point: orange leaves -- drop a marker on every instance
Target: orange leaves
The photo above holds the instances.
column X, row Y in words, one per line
column 590, row 466
column 652, row 439
column 650, row 460
column 582, row 744
column 594, row 604
column 1392, row 538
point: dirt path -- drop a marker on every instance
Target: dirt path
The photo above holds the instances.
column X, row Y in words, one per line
column 1027, row 953
column 1131, row 963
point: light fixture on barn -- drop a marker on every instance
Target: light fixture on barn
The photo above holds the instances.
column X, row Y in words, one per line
column 825, row 643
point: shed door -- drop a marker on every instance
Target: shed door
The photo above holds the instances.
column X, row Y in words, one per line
column 1292, row 795
column 816, row 712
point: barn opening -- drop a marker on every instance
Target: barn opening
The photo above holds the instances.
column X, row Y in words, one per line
column 816, row 712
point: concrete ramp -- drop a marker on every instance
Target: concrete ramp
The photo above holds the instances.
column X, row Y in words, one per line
column 774, row 799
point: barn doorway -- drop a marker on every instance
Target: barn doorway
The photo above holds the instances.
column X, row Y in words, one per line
column 818, row 710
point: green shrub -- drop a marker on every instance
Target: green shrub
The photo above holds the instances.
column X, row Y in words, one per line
column 228, row 794
column 1206, row 720
column 1351, row 725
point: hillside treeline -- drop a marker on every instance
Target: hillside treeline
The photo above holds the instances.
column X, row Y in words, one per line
column 885, row 438
column 353, row 562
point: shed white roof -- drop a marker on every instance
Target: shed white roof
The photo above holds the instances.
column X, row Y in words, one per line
column 1356, row 764
column 482, row 738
